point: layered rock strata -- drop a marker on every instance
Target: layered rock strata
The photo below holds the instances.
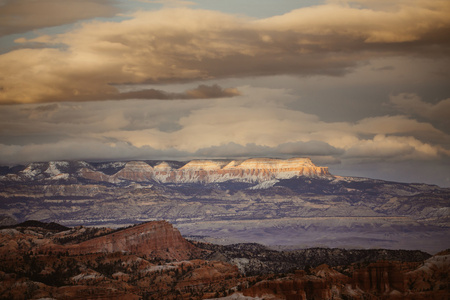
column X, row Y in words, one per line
column 195, row 171
column 157, row 239
column 207, row 171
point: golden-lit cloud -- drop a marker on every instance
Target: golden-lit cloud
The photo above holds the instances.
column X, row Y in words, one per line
column 150, row 47
column 169, row 2
column 230, row 128
column 18, row 16
column 394, row 148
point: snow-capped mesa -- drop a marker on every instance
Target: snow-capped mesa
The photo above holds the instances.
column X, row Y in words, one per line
column 54, row 170
column 252, row 170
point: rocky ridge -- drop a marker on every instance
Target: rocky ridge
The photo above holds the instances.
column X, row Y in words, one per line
column 157, row 239
column 153, row 239
column 195, row 171
column 255, row 259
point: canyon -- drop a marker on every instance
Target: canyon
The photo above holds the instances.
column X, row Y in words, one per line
column 289, row 203
column 153, row 261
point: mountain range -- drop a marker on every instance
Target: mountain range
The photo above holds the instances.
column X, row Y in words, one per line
column 286, row 204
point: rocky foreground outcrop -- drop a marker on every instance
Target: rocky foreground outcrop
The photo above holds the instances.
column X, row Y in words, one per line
column 155, row 240
column 380, row 280
column 41, row 261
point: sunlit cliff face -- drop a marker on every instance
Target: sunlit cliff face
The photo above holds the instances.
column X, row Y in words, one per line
column 250, row 170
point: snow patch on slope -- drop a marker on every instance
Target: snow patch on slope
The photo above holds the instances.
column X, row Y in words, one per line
column 265, row 185
column 54, row 170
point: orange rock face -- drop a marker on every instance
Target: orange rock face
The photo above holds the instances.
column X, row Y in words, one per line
column 153, row 239
column 205, row 171
column 380, row 277
column 207, row 274
column 299, row 287
column 380, row 280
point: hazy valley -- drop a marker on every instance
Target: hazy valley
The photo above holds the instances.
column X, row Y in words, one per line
column 290, row 203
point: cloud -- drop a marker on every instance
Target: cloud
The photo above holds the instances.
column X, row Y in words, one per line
column 394, row 148
column 149, row 47
column 395, row 23
column 169, row 2
column 201, row 92
column 81, row 149
column 210, row 92
column 401, row 125
column 18, row 16
column 310, row 148
column 43, row 111
column 412, row 104
column 254, row 124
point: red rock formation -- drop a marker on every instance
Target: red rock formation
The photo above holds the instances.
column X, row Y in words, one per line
column 207, row 274
column 29, row 271
column 431, row 279
column 377, row 280
column 297, row 288
column 94, row 175
column 135, row 171
column 380, row 278
column 158, row 239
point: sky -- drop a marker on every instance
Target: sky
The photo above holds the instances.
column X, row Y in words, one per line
column 361, row 87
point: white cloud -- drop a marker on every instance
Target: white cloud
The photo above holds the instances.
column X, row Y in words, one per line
column 233, row 126
column 394, row 148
